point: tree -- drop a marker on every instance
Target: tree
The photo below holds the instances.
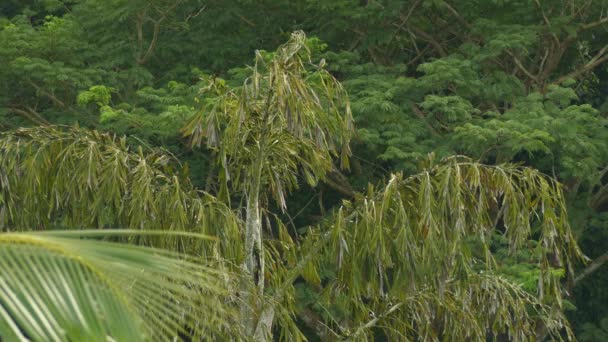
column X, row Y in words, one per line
column 406, row 253
column 285, row 119
column 272, row 108
column 503, row 82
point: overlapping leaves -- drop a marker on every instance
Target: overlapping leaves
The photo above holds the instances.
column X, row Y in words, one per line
column 289, row 112
column 416, row 258
column 57, row 287
column 72, row 177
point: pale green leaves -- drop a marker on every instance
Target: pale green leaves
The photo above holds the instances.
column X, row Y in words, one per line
column 98, row 94
column 548, row 127
column 58, row 287
column 448, row 109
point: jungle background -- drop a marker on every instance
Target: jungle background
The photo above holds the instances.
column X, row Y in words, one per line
column 499, row 81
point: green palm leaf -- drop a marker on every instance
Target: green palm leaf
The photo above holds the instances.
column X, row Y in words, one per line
column 56, row 286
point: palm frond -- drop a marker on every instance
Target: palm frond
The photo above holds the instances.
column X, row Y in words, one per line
column 58, row 286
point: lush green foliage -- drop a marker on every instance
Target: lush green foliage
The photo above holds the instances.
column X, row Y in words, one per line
column 511, row 84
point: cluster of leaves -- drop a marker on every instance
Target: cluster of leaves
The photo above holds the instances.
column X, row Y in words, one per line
column 385, row 249
column 120, row 188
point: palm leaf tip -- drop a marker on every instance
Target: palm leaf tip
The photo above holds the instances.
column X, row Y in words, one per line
column 58, row 288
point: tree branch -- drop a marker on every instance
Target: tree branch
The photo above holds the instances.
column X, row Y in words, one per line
column 404, row 20
column 579, row 9
column 155, row 31
column 31, row 115
column 152, row 46
column 375, row 320
column 592, row 267
column 455, row 13
column 195, row 14
column 313, row 321
column 598, row 59
column 599, row 198
column 419, row 55
column 50, row 96
column 591, row 25
column 521, row 67
column 429, row 39
column 245, row 20
column 546, row 20
column 337, row 181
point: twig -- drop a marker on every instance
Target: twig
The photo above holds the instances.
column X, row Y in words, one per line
column 542, row 12
column 191, row 15
column 245, row 20
column 591, row 25
column 429, row 39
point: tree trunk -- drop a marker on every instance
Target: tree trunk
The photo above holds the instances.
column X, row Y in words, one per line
column 253, row 265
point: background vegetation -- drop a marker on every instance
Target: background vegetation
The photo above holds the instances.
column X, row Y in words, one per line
column 502, row 82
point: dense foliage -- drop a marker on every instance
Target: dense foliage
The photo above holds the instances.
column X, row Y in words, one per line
column 407, row 169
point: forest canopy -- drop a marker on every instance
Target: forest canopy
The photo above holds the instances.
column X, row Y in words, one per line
column 304, row 170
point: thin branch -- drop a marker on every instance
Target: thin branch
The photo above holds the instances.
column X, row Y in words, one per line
column 50, row 96
column 315, row 322
column 245, row 20
column 139, row 22
column 599, row 198
column 337, row 181
column 156, row 31
column 375, row 320
column 195, row 14
column 152, row 45
column 459, row 17
column 579, row 10
column 304, row 207
column 547, row 22
column 429, row 39
column 31, row 115
column 405, row 19
column 591, row 25
column 542, row 63
column 521, row 67
column 419, row 55
column 603, row 172
column 592, row 267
